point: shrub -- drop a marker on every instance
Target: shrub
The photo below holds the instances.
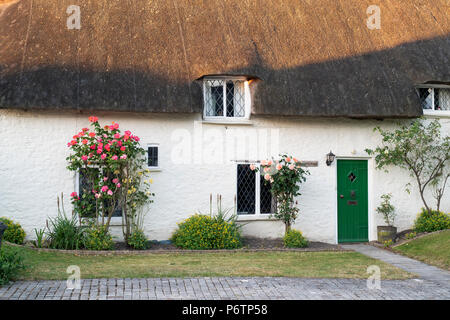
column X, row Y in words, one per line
column 64, row 233
column 410, row 235
column 14, row 233
column 138, row 240
column 98, row 238
column 206, row 232
column 294, row 239
column 431, row 221
column 388, row 243
column 11, row 262
column 386, row 209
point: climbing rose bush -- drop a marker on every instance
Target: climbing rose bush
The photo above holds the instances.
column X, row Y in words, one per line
column 113, row 164
column 284, row 176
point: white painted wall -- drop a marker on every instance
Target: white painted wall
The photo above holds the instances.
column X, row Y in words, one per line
column 33, row 168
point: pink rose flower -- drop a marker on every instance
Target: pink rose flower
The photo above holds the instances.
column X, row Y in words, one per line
column 122, row 148
column 291, row 167
column 99, row 151
column 252, row 167
column 124, row 156
column 93, row 147
column 84, row 141
column 279, row 166
column 73, row 195
column 267, row 177
column 117, row 135
column 98, row 195
column 136, row 138
column 103, row 156
column 114, row 157
column 84, row 157
column 115, row 180
column 118, row 185
column 105, row 179
column 110, row 192
column 104, row 188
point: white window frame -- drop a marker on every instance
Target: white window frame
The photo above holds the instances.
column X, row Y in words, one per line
column 433, row 112
column 224, row 118
column 153, row 168
column 115, row 221
column 258, row 214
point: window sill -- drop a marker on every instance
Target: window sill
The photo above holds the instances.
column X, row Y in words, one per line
column 154, row 169
column 437, row 113
column 228, row 121
column 253, row 217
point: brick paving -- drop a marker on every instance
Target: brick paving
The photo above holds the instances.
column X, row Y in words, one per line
column 254, row 288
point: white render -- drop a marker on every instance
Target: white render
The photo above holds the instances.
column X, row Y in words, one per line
column 33, row 151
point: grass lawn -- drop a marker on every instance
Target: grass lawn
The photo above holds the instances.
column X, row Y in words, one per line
column 433, row 249
column 49, row 266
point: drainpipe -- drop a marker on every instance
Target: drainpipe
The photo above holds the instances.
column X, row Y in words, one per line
column 3, row 227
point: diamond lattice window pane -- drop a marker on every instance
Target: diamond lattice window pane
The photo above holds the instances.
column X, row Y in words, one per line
column 443, row 99
column 267, row 203
column 426, row 98
column 239, row 99
column 85, row 187
column 246, row 188
column 214, row 98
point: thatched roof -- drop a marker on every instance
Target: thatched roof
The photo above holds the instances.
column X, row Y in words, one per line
column 314, row 57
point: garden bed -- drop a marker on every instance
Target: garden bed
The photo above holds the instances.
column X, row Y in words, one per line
column 250, row 245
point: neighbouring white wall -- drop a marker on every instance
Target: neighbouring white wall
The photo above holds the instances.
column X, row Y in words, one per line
column 33, row 149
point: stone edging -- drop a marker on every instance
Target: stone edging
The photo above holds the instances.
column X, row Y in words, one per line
column 177, row 251
column 424, row 234
column 402, row 242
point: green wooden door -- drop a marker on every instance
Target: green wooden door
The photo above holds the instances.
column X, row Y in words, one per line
column 352, row 196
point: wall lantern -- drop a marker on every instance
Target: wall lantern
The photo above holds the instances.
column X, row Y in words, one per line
column 330, row 158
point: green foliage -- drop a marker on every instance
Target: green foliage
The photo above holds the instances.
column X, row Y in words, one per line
column 206, row 232
column 40, row 237
column 388, row 243
column 14, row 233
column 422, row 150
column 386, row 209
column 97, row 237
column 284, row 176
column 64, row 233
column 137, row 240
column 294, row 239
column 432, row 221
column 410, row 235
column 11, row 262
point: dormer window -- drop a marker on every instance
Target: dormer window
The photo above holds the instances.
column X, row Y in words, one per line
column 434, row 98
column 226, row 98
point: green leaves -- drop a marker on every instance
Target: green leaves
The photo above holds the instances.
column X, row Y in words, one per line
column 420, row 148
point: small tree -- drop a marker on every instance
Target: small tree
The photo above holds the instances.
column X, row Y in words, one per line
column 284, row 176
column 387, row 210
column 421, row 149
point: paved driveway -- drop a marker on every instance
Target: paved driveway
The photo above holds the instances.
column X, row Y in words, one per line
column 226, row 288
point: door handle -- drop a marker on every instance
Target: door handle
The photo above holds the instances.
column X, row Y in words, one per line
column 341, row 196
